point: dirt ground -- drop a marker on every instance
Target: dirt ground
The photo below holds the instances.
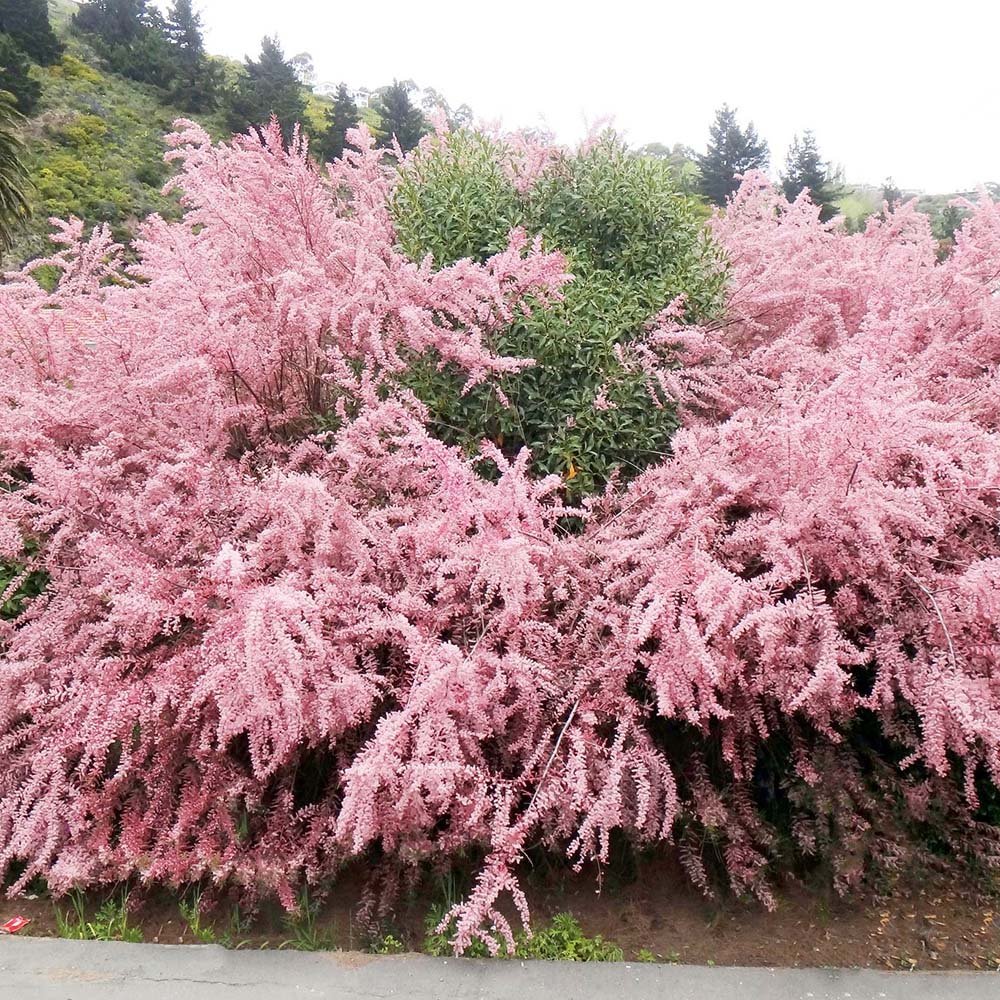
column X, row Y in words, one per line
column 939, row 923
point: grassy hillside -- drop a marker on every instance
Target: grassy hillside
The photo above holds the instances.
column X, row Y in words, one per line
column 858, row 203
column 95, row 145
column 861, row 201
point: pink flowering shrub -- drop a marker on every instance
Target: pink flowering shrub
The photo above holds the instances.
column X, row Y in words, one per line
column 284, row 626
column 254, row 549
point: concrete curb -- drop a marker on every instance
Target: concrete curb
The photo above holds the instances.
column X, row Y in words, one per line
column 53, row 969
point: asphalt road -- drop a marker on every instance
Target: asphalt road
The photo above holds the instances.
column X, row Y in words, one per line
column 49, row 969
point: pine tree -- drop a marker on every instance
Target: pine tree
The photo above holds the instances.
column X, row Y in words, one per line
column 805, row 170
column 268, row 87
column 731, row 151
column 131, row 36
column 196, row 79
column 14, row 207
column 342, row 116
column 15, row 76
column 400, row 117
column 27, row 22
column 116, row 22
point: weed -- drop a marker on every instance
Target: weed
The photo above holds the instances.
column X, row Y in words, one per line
column 306, row 934
column 110, row 923
column 438, row 943
column 645, row 955
column 191, row 912
column 387, row 944
column 564, row 940
column 561, row 940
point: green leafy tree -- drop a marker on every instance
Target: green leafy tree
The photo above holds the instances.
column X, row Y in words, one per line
column 399, row 116
column 632, row 242
column 14, row 205
column 805, row 170
column 433, row 100
column 947, row 223
column 27, row 22
column 683, row 161
column 268, row 86
column 15, row 76
column 731, row 151
column 339, row 118
column 195, row 80
column 305, row 68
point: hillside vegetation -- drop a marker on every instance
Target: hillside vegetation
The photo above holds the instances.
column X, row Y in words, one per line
column 270, row 623
column 95, row 142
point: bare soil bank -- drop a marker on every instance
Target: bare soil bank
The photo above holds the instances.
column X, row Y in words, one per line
column 935, row 923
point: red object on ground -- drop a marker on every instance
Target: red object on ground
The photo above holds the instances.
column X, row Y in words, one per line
column 14, row 925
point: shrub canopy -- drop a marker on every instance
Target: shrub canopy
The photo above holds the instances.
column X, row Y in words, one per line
column 587, row 407
column 259, row 621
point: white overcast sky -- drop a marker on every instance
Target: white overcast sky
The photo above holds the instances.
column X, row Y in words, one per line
column 910, row 90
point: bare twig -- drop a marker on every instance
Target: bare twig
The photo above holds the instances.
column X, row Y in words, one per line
column 937, row 610
column 552, row 756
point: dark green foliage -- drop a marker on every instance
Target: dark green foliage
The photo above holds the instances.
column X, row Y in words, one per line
column 115, row 22
column 14, row 207
column 169, row 53
column 731, row 151
column 805, row 170
column 195, row 80
column 891, row 193
column 400, row 117
column 147, row 58
column 561, row 940
column 15, row 76
column 341, row 116
column 683, row 161
column 945, row 225
column 131, row 36
column 27, row 22
column 19, row 582
column 633, row 243
column 949, row 222
column 269, row 86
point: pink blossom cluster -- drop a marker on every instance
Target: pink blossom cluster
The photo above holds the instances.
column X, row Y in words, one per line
column 285, row 627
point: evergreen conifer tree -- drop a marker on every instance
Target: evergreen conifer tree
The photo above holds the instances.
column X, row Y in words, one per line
column 342, row 116
column 131, row 35
column 27, row 22
column 195, row 79
column 400, row 116
column 806, row 170
column 15, row 78
column 116, row 22
column 268, row 87
column 890, row 192
column 731, row 151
